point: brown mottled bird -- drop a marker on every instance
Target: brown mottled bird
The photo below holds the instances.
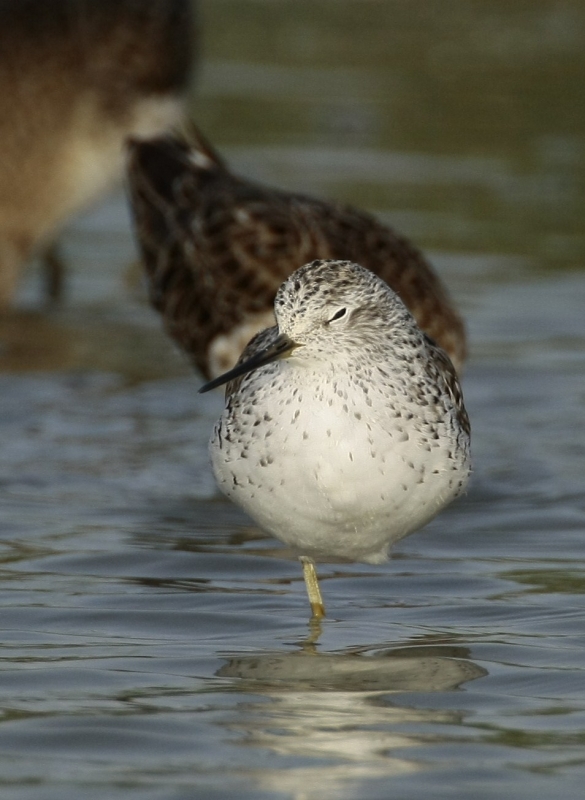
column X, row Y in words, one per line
column 76, row 78
column 216, row 248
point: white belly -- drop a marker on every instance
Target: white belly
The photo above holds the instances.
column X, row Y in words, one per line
column 331, row 483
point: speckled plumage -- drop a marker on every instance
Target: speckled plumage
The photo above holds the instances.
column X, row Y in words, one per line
column 349, row 432
column 217, row 247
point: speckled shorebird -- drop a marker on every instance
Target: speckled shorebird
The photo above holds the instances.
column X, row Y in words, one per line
column 344, row 427
column 217, row 247
column 76, row 78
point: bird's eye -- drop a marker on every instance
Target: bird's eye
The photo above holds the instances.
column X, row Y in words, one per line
column 338, row 315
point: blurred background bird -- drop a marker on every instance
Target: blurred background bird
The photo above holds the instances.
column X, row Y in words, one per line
column 216, row 248
column 76, row 78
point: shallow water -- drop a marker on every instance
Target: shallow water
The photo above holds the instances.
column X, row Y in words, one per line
column 154, row 643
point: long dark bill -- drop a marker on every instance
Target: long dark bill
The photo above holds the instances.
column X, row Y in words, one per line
column 279, row 347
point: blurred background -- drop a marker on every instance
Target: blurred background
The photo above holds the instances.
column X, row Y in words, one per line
column 457, row 122
column 132, row 590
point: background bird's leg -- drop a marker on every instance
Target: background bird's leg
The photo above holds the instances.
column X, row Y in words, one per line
column 54, row 269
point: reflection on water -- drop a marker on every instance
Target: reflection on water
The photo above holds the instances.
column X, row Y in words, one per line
column 31, row 341
column 352, row 730
column 154, row 643
column 337, row 709
column 319, row 672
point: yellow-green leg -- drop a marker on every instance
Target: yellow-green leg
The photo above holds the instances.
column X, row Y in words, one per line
column 312, row 584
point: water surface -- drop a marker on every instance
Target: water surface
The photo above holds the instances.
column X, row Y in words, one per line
column 154, row 643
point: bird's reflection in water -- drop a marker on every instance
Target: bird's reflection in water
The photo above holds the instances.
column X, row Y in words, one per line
column 82, row 339
column 337, row 711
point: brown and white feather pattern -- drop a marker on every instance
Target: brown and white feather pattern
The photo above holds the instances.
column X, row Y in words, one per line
column 217, row 247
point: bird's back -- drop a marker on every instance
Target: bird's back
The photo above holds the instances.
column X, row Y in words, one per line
column 216, row 248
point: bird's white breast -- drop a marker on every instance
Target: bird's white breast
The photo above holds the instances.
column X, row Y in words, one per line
column 331, row 472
